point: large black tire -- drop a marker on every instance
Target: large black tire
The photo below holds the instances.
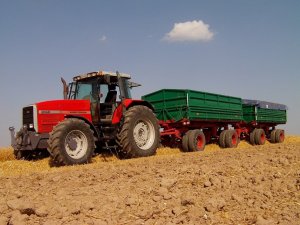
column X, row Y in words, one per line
column 231, row 139
column 196, row 141
column 260, row 137
column 185, row 141
column 279, row 136
column 252, row 137
column 272, row 136
column 71, row 142
column 139, row 134
column 222, row 139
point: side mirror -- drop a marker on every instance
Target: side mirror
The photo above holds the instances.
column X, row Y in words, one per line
column 133, row 84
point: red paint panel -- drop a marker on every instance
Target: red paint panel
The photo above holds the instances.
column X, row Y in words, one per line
column 51, row 113
column 117, row 115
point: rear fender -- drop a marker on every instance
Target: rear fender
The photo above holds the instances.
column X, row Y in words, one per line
column 128, row 103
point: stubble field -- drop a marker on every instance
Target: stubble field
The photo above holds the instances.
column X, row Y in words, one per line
column 246, row 185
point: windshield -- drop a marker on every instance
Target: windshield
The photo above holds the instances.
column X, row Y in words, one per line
column 89, row 89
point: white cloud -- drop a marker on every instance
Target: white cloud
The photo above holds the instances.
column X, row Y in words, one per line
column 196, row 31
column 103, row 38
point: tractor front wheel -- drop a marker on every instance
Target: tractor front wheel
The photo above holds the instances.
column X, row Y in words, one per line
column 139, row 135
column 71, row 142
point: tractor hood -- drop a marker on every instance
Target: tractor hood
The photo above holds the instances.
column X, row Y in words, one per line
column 49, row 113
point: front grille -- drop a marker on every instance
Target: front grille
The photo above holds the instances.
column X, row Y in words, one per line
column 28, row 115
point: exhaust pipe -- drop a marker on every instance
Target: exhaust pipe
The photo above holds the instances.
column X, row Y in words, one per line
column 65, row 88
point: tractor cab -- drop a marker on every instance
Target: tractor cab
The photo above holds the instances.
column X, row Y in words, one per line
column 104, row 90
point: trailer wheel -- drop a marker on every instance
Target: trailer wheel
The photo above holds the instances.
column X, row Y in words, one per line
column 260, row 137
column 279, row 136
column 71, row 142
column 139, row 134
column 222, row 139
column 252, row 137
column 185, row 141
column 273, row 136
column 231, row 139
column 196, row 141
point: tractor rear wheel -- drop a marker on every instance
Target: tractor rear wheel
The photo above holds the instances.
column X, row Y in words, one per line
column 279, row 136
column 71, row 142
column 260, row 137
column 231, row 139
column 139, row 134
column 196, row 141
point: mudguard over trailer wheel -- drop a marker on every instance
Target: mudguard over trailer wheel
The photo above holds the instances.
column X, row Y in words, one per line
column 139, row 134
column 196, row 141
column 71, row 142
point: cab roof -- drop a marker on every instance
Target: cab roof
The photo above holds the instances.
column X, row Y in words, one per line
column 99, row 74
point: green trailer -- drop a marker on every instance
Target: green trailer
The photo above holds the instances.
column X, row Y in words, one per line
column 180, row 104
column 264, row 112
column 189, row 119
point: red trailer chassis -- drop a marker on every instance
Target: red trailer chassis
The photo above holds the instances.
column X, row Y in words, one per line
column 174, row 133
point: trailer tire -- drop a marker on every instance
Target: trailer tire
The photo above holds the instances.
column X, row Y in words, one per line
column 138, row 136
column 231, row 139
column 222, row 139
column 196, row 141
column 279, row 136
column 185, row 141
column 273, row 136
column 252, row 137
column 71, row 142
column 260, row 137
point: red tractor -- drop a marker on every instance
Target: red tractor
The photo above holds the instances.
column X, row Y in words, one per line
column 97, row 111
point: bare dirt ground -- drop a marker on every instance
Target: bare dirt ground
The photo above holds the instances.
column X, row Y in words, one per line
column 247, row 185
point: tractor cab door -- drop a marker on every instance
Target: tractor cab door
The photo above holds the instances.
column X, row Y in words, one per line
column 108, row 100
column 87, row 90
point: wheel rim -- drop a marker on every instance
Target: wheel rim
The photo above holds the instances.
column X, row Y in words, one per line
column 76, row 144
column 262, row 138
column 234, row 139
column 144, row 134
column 281, row 137
column 200, row 142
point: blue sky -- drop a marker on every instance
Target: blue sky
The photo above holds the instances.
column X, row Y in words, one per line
column 254, row 51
